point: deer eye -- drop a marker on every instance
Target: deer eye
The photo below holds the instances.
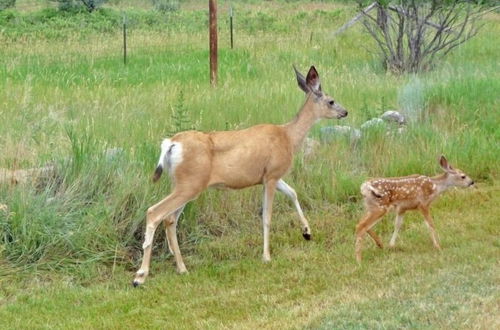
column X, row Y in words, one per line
column 463, row 176
column 332, row 102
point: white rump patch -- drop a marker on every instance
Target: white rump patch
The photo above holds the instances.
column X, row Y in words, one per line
column 171, row 155
column 367, row 188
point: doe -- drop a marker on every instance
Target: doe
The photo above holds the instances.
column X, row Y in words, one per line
column 404, row 194
column 260, row 154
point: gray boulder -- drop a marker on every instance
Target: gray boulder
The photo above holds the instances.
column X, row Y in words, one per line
column 393, row 116
column 372, row 123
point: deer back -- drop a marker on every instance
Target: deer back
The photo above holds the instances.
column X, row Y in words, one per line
column 407, row 192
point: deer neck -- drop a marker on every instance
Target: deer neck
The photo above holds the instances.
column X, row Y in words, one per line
column 298, row 128
column 441, row 182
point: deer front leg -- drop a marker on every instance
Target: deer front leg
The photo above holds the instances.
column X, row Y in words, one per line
column 397, row 226
column 269, row 190
column 283, row 187
column 430, row 225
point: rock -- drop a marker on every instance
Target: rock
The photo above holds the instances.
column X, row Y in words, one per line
column 394, row 117
column 374, row 122
column 328, row 133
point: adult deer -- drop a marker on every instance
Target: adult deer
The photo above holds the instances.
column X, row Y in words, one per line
column 404, row 194
column 260, row 154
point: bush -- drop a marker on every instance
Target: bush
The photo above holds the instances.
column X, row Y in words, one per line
column 412, row 34
column 4, row 4
column 166, row 5
column 71, row 5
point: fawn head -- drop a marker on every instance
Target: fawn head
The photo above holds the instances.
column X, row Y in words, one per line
column 324, row 105
column 455, row 177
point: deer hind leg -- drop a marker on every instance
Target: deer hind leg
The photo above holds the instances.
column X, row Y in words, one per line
column 397, row 226
column 368, row 221
column 174, row 246
column 283, row 187
column 269, row 190
column 430, row 224
column 155, row 215
column 174, row 217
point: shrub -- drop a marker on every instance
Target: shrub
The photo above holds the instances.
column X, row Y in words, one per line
column 4, row 4
column 412, row 34
column 70, row 5
column 166, row 5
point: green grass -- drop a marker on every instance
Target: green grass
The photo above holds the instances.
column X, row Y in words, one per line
column 66, row 97
column 313, row 284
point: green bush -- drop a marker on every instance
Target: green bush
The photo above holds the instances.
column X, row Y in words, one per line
column 4, row 4
column 71, row 5
column 166, row 5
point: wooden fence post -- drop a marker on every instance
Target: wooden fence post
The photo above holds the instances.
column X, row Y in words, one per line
column 124, row 39
column 212, row 6
column 231, row 24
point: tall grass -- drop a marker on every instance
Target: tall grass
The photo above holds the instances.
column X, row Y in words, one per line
column 67, row 98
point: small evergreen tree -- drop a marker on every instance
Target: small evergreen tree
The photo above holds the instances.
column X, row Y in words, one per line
column 180, row 116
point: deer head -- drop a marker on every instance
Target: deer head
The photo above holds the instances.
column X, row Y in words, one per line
column 455, row 177
column 324, row 105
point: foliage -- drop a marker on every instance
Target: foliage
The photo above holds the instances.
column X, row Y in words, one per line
column 180, row 116
column 76, row 241
column 71, row 5
column 4, row 4
column 412, row 34
column 166, row 6
column 92, row 5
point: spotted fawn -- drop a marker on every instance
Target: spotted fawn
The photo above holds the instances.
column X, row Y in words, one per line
column 414, row 192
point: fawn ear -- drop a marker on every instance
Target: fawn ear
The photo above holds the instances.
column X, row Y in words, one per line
column 301, row 81
column 444, row 164
column 312, row 80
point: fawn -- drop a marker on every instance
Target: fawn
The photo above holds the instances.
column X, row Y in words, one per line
column 405, row 194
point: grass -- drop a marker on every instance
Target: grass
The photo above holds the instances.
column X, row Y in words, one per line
column 313, row 284
column 75, row 240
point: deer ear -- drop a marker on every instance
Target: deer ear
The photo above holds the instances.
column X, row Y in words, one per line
column 301, row 80
column 444, row 163
column 312, row 80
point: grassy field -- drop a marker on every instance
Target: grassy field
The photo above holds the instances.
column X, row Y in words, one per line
column 69, row 247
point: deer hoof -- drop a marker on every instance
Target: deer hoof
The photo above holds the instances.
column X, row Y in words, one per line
column 140, row 277
column 306, row 233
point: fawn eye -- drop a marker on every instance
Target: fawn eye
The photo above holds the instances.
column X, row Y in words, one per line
column 332, row 102
column 463, row 176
